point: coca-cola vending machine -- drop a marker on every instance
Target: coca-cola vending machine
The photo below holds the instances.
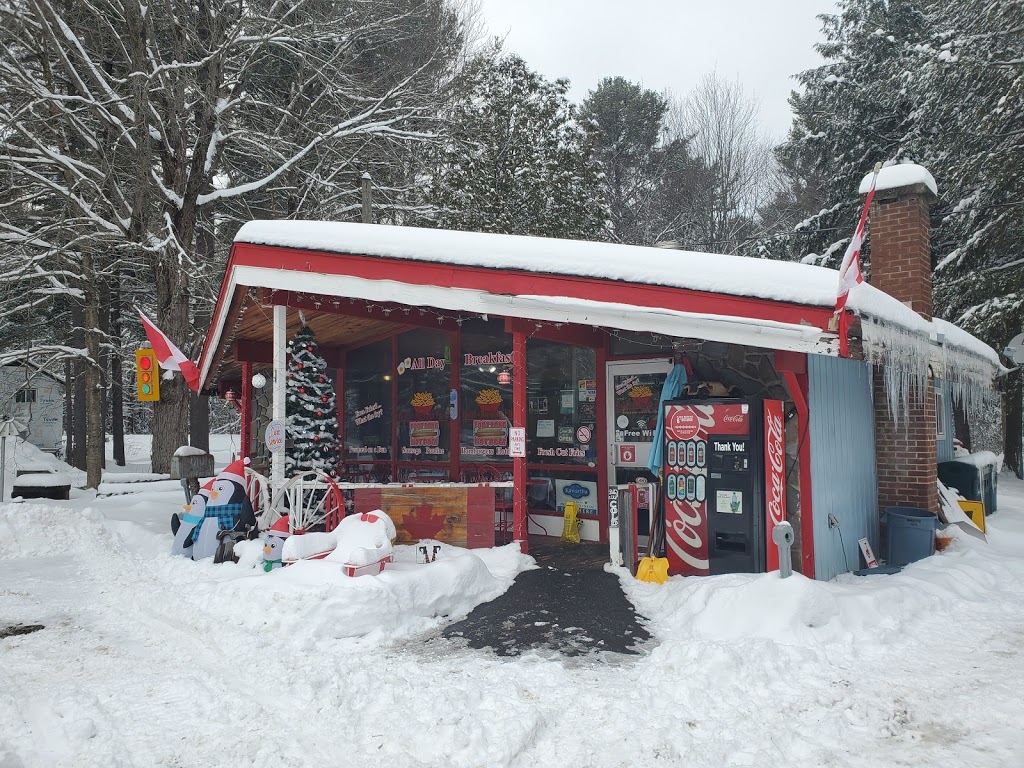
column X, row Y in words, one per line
column 724, row 485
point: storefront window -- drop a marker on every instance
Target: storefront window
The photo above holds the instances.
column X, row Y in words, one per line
column 423, row 370
column 485, row 405
column 561, row 404
column 547, row 492
column 368, row 374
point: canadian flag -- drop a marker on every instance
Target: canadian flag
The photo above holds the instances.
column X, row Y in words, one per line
column 850, row 273
column 170, row 357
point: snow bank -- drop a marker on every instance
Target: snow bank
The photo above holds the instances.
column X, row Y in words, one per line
column 314, row 598
column 36, row 530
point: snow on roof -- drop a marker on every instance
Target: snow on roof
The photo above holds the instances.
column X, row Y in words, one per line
column 958, row 337
column 782, row 281
column 714, row 273
column 900, row 175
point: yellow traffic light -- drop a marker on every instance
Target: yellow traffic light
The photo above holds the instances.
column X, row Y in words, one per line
column 147, row 375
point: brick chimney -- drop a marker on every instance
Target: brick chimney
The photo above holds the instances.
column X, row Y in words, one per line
column 901, row 265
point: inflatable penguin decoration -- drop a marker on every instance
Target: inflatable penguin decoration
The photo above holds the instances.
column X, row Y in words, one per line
column 273, row 545
column 229, row 509
column 192, row 514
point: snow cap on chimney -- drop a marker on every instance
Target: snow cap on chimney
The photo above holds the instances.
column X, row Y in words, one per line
column 901, row 176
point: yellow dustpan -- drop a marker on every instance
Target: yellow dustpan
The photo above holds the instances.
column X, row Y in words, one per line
column 652, row 568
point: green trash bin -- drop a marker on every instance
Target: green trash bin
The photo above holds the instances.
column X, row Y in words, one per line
column 910, row 534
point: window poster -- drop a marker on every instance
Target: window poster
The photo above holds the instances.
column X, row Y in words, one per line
column 545, row 427
column 424, row 384
column 583, row 492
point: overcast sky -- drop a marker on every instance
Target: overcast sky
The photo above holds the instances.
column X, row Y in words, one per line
column 667, row 43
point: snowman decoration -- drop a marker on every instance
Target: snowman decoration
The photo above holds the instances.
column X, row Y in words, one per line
column 273, row 544
column 184, row 524
column 228, row 509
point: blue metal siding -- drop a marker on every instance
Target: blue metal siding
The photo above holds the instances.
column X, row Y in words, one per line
column 843, row 478
column 944, row 444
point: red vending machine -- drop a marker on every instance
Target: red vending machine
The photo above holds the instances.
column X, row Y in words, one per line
column 724, row 485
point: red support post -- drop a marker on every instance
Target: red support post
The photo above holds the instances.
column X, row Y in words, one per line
column 601, row 442
column 455, row 384
column 339, row 412
column 797, row 385
column 394, row 408
column 246, row 428
column 519, row 498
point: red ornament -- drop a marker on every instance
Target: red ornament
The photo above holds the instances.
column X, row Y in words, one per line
column 309, row 347
column 324, row 399
column 319, row 413
column 320, row 379
column 299, row 366
column 316, row 438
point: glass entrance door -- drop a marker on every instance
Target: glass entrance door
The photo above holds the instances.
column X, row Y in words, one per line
column 633, row 390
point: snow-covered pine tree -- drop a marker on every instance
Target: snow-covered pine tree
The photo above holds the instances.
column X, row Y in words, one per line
column 312, row 426
column 516, row 159
column 629, row 121
column 855, row 110
column 972, row 115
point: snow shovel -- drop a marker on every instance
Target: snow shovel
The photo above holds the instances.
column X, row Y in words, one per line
column 653, row 568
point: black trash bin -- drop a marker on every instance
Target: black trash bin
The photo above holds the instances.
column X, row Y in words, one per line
column 964, row 477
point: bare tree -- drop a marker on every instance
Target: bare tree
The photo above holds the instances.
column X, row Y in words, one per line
column 719, row 123
column 123, row 122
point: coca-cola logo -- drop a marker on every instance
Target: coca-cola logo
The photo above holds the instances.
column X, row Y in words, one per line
column 734, row 418
column 776, row 453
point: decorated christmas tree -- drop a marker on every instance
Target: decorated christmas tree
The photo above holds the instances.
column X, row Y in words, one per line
column 312, row 415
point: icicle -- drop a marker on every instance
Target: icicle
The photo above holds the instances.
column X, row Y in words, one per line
column 902, row 356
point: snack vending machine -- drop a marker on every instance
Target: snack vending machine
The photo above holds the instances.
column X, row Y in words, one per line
column 724, row 485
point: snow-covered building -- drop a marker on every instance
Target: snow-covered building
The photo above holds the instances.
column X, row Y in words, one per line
column 34, row 399
column 443, row 343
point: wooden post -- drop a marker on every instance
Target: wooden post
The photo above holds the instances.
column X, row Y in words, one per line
column 519, row 496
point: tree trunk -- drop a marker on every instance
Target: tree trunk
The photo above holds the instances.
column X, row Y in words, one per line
column 116, row 374
column 95, row 437
column 77, row 457
column 1013, row 424
column 170, row 413
column 69, row 399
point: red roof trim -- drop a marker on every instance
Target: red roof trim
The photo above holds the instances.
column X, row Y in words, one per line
column 516, row 282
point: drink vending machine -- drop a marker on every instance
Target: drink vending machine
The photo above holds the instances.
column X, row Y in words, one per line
column 724, row 485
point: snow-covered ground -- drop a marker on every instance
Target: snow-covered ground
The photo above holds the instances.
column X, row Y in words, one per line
column 150, row 660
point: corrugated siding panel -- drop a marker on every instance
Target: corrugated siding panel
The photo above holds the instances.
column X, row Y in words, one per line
column 843, row 479
column 944, row 444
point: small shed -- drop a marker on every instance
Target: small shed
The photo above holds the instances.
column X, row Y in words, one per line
column 35, row 399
